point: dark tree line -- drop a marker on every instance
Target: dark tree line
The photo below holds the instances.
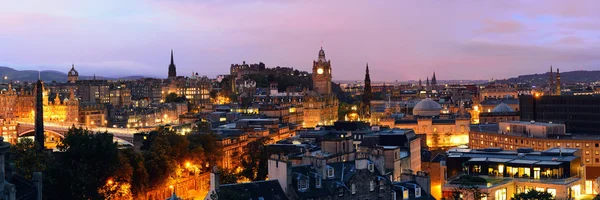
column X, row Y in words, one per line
column 91, row 166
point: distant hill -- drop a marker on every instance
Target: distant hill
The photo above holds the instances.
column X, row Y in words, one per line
column 47, row 75
column 565, row 77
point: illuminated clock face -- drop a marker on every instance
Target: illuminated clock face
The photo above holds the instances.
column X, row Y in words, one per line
column 320, row 71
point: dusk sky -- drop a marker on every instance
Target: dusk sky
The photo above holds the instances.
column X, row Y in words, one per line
column 401, row 40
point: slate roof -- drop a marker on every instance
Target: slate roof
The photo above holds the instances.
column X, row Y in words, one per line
column 343, row 173
column 397, row 187
column 264, row 190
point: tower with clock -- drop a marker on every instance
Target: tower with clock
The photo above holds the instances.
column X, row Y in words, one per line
column 321, row 74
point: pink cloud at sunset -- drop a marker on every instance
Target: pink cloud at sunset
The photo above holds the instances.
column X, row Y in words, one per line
column 401, row 40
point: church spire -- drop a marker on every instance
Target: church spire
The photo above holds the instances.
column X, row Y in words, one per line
column 558, row 81
column 172, row 63
column 367, row 94
column 551, row 83
column 172, row 69
column 433, row 80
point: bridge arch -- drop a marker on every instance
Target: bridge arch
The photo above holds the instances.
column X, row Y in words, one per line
column 61, row 135
column 119, row 140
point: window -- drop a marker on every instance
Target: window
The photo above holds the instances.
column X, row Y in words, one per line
column 417, row 191
column 353, row 188
column 597, row 152
column 302, row 184
column 596, row 146
column 577, row 145
column 587, row 144
column 371, row 167
column 587, row 152
column 404, row 193
column 553, row 191
column 501, row 194
column 318, row 181
column 330, row 173
column 587, row 160
column 382, row 185
column 340, row 192
column 477, row 168
column 597, row 160
column 372, row 186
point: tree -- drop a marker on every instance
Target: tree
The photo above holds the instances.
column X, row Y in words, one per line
column 533, row 195
column 158, row 163
column 27, row 160
column 139, row 179
column 228, row 176
column 171, row 97
column 468, row 188
column 89, row 166
column 255, row 159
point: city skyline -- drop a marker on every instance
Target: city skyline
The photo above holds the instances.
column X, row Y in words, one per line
column 481, row 40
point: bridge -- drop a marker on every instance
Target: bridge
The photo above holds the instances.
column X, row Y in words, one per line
column 123, row 135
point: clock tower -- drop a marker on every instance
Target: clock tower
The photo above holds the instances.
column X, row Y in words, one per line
column 321, row 74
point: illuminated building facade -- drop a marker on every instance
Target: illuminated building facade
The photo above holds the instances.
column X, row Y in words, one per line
column 319, row 109
column 56, row 109
column 539, row 137
column 504, row 173
column 195, row 89
column 440, row 132
column 501, row 113
column 320, row 105
column 498, row 91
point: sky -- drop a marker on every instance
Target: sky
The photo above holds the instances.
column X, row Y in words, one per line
column 400, row 39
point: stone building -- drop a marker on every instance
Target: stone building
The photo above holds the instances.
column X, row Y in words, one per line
column 362, row 178
column 540, row 137
column 449, row 131
column 73, row 75
column 504, row 173
column 320, row 105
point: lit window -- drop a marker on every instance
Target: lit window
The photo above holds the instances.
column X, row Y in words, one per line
column 353, row 188
column 372, row 186
column 552, row 191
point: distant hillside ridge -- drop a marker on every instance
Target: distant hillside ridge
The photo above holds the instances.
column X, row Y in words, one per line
column 580, row 76
column 48, row 75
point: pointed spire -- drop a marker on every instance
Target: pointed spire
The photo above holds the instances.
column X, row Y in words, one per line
column 39, row 75
column 172, row 57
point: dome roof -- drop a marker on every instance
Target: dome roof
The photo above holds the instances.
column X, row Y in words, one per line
column 73, row 72
column 502, row 108
column 427, row 107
